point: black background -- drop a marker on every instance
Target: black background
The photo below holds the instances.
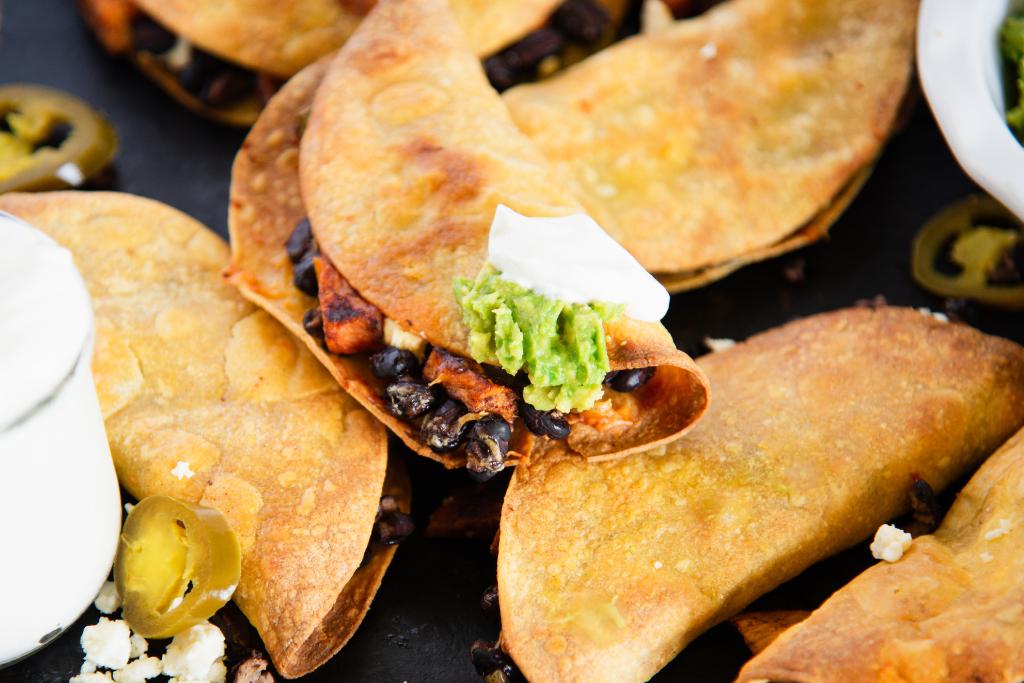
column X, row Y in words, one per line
column 426, row 614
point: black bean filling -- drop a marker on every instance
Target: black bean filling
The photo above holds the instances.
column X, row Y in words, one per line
column 489, row 602
column 392, row 526
column 408, row 399
column 551, row 423
column 625, row 381
column 487, row 447
column 925, row 506
column 313, row 323
column 491, row 662
column 213, row 81
column 443, row 429
column 392, row 364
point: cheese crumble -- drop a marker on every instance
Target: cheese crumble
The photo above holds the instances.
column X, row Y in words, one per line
column 890, row 543
column 108, row 601
column 182, row 471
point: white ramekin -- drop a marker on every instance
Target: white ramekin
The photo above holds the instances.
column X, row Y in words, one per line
column 962, row 74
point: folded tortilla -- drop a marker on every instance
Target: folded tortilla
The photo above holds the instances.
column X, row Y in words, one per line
column 607, row 570
column 281, row 37
column 951, row 610
column 187, row 370
column 721, row 136
column 406, row 155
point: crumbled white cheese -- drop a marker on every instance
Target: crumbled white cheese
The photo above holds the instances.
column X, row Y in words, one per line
column 194, row 654
column 708, row 52
column 139, row 646
column 182, row 470
column 107, row 643
column 717, row 345
column 890, row 543
column 92, row 677
column 658, row 565
column 218, row 674
column 986, row 557
column 87, row 667
column 179, row 55
column 224, row 594
column 71, row 174
column 128, row 507
column 1001, row 529
column 108, row 601
column 941, row 317
column 139, row 670
column 395, row 336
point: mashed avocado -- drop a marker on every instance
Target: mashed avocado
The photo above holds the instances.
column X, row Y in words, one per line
column 1012, row 43
column 559, row 345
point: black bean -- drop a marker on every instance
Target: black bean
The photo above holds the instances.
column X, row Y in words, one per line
column 408, row 399
column 392, row 525
column 55, row 137
column 392, row 363
column 149, row 36
column 551, row 423
column 313, row 323
column 227, row 87
column 1009, row 269
column 489, row 601
column 584, row 21
column 443, row 430
column 626, row 381
column 487, row 447
column 925, row 506
column 491, row 662
column 500, row 74
column 300, row 241
column 304, row 274
column 528, row 53
column 492, row 428
column 193, row 77
column 960, row 310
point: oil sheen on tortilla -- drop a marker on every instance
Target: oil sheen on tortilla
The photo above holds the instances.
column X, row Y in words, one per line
column 187, row 370
column 416, row 225
column 607, row 570
column 719, row 137
column 951, row 610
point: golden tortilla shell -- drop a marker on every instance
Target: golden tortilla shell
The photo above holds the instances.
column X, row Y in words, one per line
column 407, row 154
column 607, row 570
column 280, row 37
column 760, row 629
column 951, row 610
column 720, row 136
column 186, row 370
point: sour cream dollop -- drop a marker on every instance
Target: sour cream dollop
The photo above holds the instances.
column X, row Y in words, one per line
column 573, row 259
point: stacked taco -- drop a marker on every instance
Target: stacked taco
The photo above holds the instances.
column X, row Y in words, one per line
column 363, row 198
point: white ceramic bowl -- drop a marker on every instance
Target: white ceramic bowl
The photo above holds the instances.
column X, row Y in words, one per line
column 962, row 74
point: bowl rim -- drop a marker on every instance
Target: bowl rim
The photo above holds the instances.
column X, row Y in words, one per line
column 952, row 54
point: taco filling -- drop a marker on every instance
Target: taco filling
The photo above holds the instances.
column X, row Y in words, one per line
column 539, row 364
column 211, row 83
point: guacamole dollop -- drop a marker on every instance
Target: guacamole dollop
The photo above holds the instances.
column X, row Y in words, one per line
column 1012, row 44
column 560, row 345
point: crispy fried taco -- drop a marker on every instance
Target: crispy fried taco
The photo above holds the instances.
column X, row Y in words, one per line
column 406, row 156
column 729, row 137
column 223, row 58
column 189, row 372
column 607, row 570
column 952, row 609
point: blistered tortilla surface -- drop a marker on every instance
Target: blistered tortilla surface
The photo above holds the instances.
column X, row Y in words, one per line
column 722, row 135
column 951, row 610
column 280, row 37
column 607, row 570
column 187, row 370
column 406, row 154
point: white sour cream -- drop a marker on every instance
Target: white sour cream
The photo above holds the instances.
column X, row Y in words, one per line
column 58, row 493
column 572, row 259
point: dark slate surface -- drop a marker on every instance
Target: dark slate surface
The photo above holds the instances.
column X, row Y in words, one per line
column 426, row 613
